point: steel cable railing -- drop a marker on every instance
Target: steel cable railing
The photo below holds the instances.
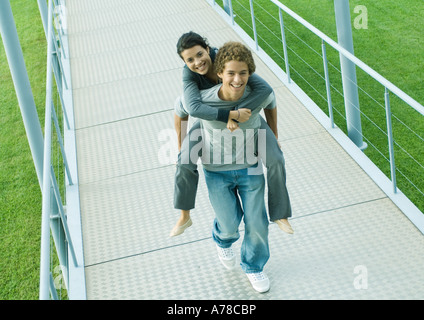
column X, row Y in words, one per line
column 379, row 126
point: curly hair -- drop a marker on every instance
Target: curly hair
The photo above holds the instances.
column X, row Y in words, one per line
column 234, row 51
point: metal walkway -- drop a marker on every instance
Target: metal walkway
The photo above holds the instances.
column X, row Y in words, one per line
column 350, row 240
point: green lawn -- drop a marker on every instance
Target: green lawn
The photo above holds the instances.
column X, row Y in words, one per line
column 392, row 45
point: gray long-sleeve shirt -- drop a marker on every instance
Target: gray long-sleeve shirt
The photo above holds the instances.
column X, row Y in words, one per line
column 224, row 150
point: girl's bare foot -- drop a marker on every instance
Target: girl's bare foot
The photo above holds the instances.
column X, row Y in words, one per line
column 284, row 225
column 183, row 223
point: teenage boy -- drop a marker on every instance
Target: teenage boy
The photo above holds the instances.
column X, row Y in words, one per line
column 235, row 182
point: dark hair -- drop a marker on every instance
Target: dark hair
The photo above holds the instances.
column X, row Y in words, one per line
column 189, row 40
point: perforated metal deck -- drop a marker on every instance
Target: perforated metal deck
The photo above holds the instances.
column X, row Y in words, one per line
column 126, row 76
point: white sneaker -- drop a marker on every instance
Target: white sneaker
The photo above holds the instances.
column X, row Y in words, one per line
column 227, row 257
column 259, row 281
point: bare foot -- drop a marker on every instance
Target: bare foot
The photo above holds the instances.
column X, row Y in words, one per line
column 184, row 217
column 284, row 225
column 183, row 223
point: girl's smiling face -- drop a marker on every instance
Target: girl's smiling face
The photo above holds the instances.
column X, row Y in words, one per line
column 197, row 59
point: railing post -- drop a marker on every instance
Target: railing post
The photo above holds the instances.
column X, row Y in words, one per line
column 232, row 13
column 42, row 7
column 45, row 223
column 390, row 139
column 283, row 37
column 327, row 84
column 22, row 86
column 62, row 147
column 350, row 88
column 228, row 8
column 255, row 34
column 226, row 4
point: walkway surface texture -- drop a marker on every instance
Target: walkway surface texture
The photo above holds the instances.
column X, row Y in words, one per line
column 350, row 240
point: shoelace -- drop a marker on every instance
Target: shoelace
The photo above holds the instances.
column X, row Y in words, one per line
column 226, row 253
column 257, row 276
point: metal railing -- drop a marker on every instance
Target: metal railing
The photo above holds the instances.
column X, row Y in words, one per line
column 388, row 86
column 54, row 216
column 53, row 209
column 240, row 10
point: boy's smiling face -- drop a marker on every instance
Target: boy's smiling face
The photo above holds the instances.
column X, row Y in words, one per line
column 234, row 79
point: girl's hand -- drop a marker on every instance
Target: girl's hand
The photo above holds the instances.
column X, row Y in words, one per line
column 243, row 114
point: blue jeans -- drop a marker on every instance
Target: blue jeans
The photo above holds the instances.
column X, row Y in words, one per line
column 226, row 189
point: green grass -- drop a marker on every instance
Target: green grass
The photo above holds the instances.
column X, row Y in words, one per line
column 390, row 45
column 20, row 194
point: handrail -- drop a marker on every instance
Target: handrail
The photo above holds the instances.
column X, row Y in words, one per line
column 45, row 224
column 387, row 84
column 51, row 210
